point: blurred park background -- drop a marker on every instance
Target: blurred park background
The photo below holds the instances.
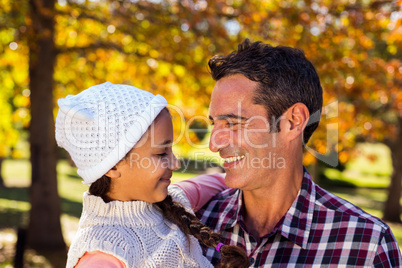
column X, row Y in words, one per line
column 52, row 48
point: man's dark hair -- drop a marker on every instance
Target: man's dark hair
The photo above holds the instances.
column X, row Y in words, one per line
column 284, row 74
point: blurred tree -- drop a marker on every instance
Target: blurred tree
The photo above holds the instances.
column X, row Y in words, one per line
column 13, row 111
column 8, row 135
column 14, row 95
column 44, row 231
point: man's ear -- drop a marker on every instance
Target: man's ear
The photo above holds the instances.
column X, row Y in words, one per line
column 297, row 117
column 113, row 173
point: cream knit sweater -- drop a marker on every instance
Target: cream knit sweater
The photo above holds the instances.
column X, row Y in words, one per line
column 136, row 233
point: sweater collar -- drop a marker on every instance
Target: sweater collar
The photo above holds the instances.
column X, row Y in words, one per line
column 122, row 213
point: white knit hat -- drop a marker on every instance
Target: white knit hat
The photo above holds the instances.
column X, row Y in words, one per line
column 100, row 125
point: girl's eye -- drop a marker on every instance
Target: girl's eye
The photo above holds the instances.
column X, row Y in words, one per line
column 162, row 154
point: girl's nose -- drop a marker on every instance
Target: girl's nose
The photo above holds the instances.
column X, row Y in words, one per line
column 174, row 163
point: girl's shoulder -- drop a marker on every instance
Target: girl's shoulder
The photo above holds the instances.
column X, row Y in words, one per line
column 179, row 195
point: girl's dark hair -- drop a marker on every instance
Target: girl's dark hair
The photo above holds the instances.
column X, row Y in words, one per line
column 100, row 188
column 231, row 256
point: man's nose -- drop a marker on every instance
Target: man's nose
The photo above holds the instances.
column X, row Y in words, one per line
column 220, row 138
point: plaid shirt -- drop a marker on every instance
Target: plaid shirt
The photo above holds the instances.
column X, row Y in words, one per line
column 319, row 230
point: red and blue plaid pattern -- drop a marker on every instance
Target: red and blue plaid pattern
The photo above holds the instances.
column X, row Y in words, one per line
column 319, row 230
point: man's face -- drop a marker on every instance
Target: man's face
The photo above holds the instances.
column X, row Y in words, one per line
column 241, row 134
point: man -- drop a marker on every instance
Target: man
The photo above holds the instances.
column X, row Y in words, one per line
column 261, row 110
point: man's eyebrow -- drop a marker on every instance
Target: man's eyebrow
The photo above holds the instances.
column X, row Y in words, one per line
column 229, row 116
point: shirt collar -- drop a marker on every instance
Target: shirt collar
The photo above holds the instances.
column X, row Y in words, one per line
column 295, row 225
column 298, row 219
column 231, row 213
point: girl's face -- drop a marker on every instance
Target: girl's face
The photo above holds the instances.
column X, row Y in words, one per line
column 145, row 173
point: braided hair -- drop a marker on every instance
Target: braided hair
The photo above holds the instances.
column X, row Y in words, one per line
column 231, row 256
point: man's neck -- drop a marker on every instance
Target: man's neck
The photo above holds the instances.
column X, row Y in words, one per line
column 264, row 208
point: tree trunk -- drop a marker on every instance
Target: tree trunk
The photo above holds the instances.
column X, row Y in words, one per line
column 392, row 209
column 1, row 177
column 44, row 230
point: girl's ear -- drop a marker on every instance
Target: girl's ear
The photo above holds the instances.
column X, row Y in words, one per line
column 113, row 173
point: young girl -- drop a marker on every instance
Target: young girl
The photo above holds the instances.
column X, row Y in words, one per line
column 120, row 138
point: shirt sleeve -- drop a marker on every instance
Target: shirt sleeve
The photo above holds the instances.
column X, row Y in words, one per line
column 98, row 259
column 388, row 253
column 200, row 189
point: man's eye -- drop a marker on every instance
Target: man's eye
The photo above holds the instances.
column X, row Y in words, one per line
column 231, row 124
